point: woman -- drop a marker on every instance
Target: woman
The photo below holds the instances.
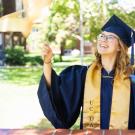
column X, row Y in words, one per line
column 104, row 90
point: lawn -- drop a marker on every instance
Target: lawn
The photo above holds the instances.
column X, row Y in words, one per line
column 31, row 75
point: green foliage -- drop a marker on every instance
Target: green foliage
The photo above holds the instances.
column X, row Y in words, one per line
column 63, row 21
column 127, row 17
column 33, row 61
column 56, row 58
column 43, row 124
column 15, row 56
column 18, row 57
column 70, row 43
column 65, row 7
column 94, row 16
column 87, row 37
column 62, row 26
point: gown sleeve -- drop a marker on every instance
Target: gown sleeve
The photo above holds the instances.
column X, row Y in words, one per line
column 62, row 102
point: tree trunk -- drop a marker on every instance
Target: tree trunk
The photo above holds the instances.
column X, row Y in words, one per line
column 62, row 52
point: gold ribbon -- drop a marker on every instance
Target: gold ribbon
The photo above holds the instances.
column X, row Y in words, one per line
column 120, row 101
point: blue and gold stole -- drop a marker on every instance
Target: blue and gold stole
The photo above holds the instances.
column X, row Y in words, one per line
column 120, row 101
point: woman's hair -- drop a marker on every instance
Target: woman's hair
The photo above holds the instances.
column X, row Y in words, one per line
column 122, row 65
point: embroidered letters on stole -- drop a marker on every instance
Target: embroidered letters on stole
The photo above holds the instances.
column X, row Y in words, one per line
column 120, row 101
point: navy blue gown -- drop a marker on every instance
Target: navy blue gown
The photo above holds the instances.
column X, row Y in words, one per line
column 62, row 102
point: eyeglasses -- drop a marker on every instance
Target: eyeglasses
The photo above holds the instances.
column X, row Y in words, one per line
column 108, row 38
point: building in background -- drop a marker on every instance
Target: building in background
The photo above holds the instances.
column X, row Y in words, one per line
column 17, row 18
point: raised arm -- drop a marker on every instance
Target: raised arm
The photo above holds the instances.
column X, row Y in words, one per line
column 61, row 96
column 47, row 56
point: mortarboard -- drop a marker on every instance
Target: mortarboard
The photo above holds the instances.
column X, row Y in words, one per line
column 123, row 31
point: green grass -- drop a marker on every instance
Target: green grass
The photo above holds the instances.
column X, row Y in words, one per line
column 44, row 124
column 23, row 75
column 20, row 76
column 31, row 75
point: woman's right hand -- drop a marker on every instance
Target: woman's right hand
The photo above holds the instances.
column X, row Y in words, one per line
column 47, row 54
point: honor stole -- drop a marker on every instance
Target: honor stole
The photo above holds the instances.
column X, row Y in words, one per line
column 120, row 101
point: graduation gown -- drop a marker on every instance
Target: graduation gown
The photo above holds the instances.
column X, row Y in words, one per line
column 62, row 102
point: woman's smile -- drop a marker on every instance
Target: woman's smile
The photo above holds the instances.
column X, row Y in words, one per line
column 103, row 46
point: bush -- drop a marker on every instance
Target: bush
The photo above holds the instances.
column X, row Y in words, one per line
column 34, row 60
column 18, row 57
column 56, row 58
column 15, row 56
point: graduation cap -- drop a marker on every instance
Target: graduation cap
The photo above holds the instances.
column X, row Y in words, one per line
column 123, row 31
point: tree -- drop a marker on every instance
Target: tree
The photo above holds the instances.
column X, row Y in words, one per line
column 127, row 16
column 63, row 21
column 95, row 15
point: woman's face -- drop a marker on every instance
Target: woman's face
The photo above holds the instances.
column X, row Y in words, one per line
column 107, row 43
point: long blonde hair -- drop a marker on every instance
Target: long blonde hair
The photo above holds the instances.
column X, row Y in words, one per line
column 122, row 64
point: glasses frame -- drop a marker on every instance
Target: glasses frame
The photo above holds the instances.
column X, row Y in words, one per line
column 107, row 38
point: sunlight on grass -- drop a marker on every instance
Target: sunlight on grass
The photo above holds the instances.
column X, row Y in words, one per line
column 21, row 76
column 31, row 75
column 43, row 124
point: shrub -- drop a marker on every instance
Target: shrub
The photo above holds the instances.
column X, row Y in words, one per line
column 15, row 56
column 34, row 60
column 56, row 58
